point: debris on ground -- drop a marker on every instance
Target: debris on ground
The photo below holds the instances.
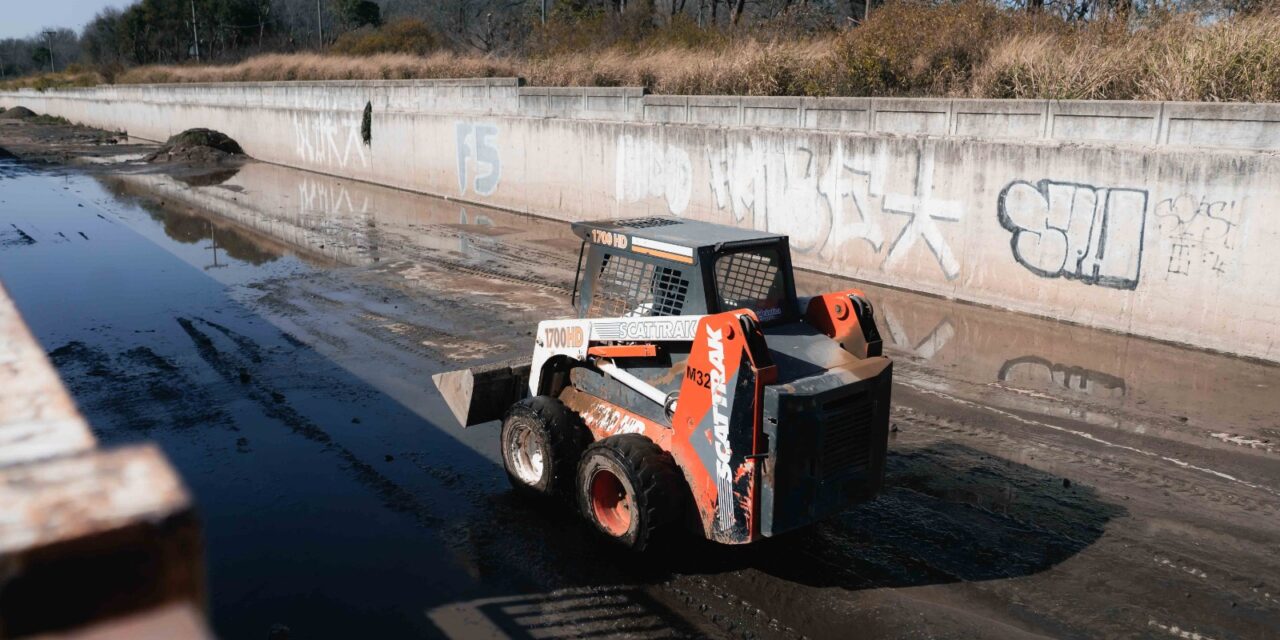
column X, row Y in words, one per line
column 197, row 145
column 17, row 113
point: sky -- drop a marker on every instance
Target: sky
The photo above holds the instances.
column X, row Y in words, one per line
column 21, row 18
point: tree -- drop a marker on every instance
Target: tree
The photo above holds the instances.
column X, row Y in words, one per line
column 41, row 56
column 358, row 13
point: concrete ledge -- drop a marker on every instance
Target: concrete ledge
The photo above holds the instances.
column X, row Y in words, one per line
column 1242, row 126
column 85, row 534
column 838, row 114
column 772, row 112
column 1110, row 121
column 911, row 116
column 666, row 109
column 1222, row 125
column 94, row 536
column 38, row 419
column 610, row 103
column 999, row 119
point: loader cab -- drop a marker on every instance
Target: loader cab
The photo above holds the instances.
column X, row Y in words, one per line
column 664, row 266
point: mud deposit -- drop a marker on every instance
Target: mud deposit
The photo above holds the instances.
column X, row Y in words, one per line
column 275, row 332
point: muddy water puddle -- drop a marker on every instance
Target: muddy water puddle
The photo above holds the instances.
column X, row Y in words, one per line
column 275, row 331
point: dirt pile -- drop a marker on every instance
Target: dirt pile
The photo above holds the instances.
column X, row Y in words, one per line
column 17, row 113
column 197, row 145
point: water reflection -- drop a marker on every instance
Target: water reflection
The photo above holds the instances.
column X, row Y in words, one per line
column 207, row 178
column 264, row 210
column 1036, row 371
column 355, row 223
column 1084, row 373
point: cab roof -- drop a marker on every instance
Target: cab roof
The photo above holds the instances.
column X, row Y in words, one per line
column 686, row 233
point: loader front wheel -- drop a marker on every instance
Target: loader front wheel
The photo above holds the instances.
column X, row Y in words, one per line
column 629, row 489
column 542, row 441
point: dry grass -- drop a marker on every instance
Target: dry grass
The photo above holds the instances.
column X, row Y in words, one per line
column 74, row 77
column 312, row 66
column 1176, row 60
column 747, row 67
column 971, row 49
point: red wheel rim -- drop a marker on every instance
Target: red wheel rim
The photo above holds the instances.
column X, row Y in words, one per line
column 610, row 503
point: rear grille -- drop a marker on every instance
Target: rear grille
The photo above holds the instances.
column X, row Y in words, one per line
column 846, row 429
column 645, row 223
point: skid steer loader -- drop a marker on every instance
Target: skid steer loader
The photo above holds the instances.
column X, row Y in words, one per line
column 693, row 389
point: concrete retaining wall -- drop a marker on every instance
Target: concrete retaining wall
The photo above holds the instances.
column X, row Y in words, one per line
column 1156, row 219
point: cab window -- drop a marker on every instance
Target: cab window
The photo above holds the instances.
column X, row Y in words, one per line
column 752, row 279
column 627, row 287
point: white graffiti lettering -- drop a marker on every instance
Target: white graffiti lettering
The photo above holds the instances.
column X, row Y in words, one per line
column 318, row 135
column 477, row 153
column 925, row 211
column 827, row 200
column 649, row 169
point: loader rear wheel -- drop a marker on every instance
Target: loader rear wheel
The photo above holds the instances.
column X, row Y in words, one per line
column 630, row 489
column 542, row 441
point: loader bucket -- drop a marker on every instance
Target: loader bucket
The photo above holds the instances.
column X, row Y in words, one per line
column 485, row 392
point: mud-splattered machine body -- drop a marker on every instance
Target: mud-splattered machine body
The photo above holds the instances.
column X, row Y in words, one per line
column 774, row 409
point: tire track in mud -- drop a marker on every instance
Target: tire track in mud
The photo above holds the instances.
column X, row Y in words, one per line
column 494, row 272
column 934, row 524
column 485, row 537
column 170, row 400
column 15, row 238
column 495, row 537
column 1112, row 468
column 427, row 342
column 1090, row 437
column 1151, row 547
column 950, row 515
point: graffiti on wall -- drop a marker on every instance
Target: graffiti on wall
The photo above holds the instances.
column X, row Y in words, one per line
column 649, row 169
column 1076, row 231
column 924, row 212
column 329, row 138
column 825, row 201
column 479, row 164
column 1198, row 235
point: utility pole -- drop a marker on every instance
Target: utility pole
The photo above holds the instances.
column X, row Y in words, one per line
column 320, row 23
column 195, row 35
column 544, row 13
column 48, row 34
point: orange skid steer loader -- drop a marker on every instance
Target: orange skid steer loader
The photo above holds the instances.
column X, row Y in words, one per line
column 693, row 389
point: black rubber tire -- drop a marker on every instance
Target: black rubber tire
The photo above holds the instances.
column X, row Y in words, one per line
column 651, row 480
column 561, row 437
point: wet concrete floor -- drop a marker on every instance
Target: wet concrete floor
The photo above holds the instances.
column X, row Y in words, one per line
column 275, row 332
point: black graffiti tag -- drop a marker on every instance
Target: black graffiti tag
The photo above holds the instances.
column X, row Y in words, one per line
column 1076, row 231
